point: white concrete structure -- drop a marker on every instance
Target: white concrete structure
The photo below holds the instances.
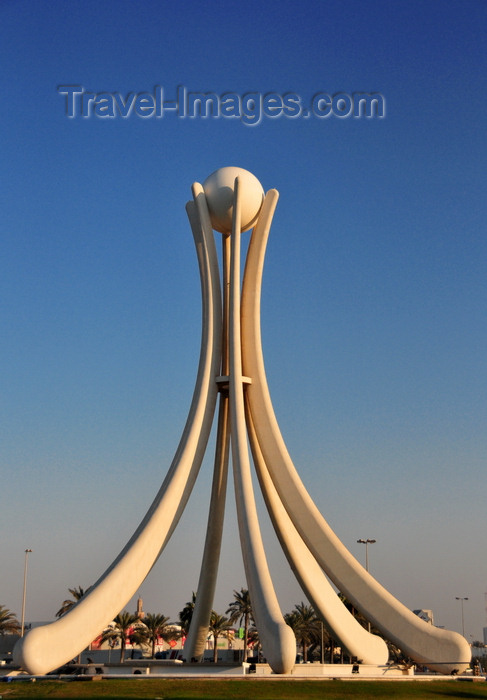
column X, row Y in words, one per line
column 231, row 364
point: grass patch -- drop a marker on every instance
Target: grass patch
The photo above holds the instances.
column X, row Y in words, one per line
column 241, row 689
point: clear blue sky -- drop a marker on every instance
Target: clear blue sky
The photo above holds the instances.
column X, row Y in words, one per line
column 374, row 300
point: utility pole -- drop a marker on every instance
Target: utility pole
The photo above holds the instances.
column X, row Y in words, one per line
column 22, row 624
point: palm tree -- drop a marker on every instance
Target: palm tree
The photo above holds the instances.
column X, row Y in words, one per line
column 186, row 614
column 240, row 610
column 77, row 594
column 8, row 622
column 125, row 626
column 304, row 623
column 219, row 627
column 158, row 626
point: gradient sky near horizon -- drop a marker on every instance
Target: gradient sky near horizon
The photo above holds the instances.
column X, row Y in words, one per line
column 374, row 297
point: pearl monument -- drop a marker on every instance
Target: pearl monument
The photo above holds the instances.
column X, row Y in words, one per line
column 231, row 373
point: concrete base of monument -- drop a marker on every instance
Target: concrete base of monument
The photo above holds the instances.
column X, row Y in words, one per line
column 148, row 668
column 145, row 667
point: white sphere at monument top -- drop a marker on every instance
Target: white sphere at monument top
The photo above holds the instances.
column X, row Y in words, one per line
column 218, row 189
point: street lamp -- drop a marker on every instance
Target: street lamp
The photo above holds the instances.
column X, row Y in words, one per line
column 366, row 543
column 322, row 643
column 463, row 624
column 27, row 552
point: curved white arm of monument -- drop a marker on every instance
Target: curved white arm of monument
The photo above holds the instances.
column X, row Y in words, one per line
column 440, row 650
column 369, row 648
column 277, row 638
column 50, row 646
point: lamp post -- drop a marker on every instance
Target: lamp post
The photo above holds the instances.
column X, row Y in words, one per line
column 322, row 644
column 366, row 543
column 27, row 552
column 463, row 623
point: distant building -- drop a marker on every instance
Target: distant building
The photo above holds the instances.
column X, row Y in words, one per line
column 485, row 635
column 426, row 615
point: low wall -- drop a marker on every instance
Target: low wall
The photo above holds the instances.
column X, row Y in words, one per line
column 315, row 670
column 175, row 669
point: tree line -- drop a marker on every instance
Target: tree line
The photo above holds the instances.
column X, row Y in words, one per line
column 154, row 627
column 312, row 637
